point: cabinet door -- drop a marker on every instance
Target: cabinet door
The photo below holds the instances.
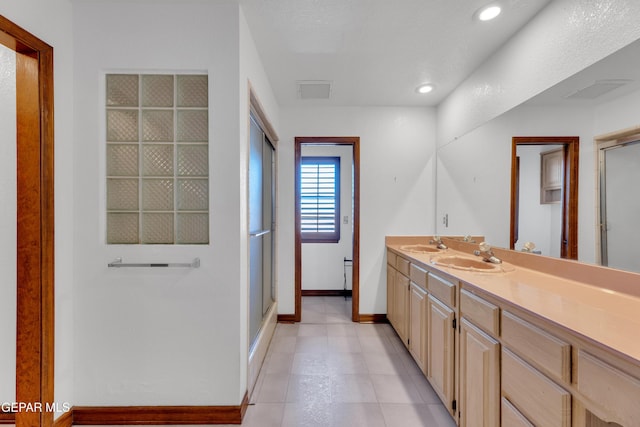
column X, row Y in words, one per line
column 401, row 306
column 391, row 279
column 418, row 325
column 440, row 355
column 479, row 378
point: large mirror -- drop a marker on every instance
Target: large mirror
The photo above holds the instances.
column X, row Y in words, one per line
column 474, row 171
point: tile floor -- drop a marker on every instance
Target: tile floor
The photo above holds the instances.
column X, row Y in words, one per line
column 328, row 371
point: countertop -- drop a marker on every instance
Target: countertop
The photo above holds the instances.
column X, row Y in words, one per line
column 599, row 314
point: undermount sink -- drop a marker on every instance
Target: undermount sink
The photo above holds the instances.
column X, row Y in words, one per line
column 421, row 249
column 470, row 264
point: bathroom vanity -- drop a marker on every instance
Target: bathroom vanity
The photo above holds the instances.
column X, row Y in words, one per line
column 533, row 341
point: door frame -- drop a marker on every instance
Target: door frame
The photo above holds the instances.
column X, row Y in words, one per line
column 354, row 142
column 35, row 226
column 571, row 147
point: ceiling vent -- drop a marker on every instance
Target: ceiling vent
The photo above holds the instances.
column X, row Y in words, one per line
column 314, row 89
column 597, row 88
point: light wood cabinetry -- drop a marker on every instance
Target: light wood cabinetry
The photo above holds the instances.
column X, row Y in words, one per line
column 479, row 377
column 551, row 176
column 401, row 307
column 440, row 355
column 418, row 325
column 511, row 417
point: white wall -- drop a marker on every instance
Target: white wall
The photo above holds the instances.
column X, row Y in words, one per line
column 397, row 147
column 51, row 22
column 8, row 232
column 323, row 263
column 564, row 38
column 154, row 337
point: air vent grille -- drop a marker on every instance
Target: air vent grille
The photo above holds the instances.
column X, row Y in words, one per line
column 314, row 89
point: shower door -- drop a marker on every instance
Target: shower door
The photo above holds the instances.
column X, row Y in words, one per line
column 261, row 228
column 620, row 205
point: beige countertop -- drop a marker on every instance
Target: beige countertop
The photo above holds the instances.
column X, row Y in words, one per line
column 600, row 314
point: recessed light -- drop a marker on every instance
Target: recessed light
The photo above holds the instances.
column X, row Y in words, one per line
column 425, row 88
column 489, row 12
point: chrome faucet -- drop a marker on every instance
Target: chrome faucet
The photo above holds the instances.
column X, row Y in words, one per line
column 468, row 239
column 438, row 240
column 487, row 254
column 529, row 247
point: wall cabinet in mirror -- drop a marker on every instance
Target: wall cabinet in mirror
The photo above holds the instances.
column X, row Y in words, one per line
column 551, row 176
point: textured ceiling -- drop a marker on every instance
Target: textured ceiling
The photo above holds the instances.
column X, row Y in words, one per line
column 376, row 52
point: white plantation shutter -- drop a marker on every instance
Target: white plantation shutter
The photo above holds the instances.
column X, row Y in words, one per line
column 320, row 199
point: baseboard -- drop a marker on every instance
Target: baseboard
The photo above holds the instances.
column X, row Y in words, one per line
column 286, row 318
column 65, row 420
column 373, row 318
column 326, row 292
column 7, row 418
column 159, row 415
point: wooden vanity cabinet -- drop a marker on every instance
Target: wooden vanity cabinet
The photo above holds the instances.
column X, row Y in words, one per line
column 479, row 362
column 398, row 294
column 418, row 325
column 441, row 329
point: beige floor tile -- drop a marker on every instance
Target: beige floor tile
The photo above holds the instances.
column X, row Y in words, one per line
column 377, row 344
column 341, row 330
column 383, row 363
column 274, row 388
column 356, row 388
column 347, row 363
column 312, row 330
column 310, row 364
column 307, row 415
column 278, row 363
column 283, row 344
column 357, row 415
column 309, row 316
column 427, row 393
column 264, row 415
column 395, row 389
column 312, row 345
column 344, row 345
column 287, row 329
column 408, row 415
column 309, row 389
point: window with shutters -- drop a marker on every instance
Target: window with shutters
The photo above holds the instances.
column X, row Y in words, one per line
column 320, row 199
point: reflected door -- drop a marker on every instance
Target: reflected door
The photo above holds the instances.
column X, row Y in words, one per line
column 620, row 206
column 261, row 228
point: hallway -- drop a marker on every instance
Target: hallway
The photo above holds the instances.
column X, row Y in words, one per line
column 328, row 371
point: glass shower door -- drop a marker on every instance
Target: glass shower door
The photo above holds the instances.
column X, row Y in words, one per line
column 261, row 228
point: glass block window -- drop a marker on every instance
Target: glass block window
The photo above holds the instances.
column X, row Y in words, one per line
column 157, row 146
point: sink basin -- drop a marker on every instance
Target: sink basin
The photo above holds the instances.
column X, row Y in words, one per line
column 470, row 264
column 421, row 249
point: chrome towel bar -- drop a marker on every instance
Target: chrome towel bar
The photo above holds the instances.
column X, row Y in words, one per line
column 118, row 263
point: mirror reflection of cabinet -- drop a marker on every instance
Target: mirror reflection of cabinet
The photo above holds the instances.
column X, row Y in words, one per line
column 551, row 176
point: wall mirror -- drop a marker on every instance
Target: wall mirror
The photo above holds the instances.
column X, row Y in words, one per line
column 474, row 170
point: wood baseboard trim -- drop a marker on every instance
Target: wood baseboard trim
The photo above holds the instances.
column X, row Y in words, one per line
column 286, row 318
column 65, row 420
column 7, row 418
column 159, row 415
column 326, row 292
column 373, row 318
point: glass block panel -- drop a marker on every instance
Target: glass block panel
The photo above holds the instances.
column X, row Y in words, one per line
column 157, row 194
column 157, row 90
column 157, row 160
column 122, row 194
column 193, row 194
column 157, row 125
column 122, row 90
column 193, row 228
column 122, row 228
column 122, row 160
column 157, row 228
column 193, row 126
column 193, row 91
column 122, row 125
column 193, row 160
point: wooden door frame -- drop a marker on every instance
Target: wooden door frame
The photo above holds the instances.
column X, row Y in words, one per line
column 571, row 144
column 35, row 224
column 353, row 141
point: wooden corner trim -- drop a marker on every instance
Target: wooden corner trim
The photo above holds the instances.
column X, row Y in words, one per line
column 65, row 420
column 7, row 418
column 287, row 318
column 156, row 415
column 373, row 318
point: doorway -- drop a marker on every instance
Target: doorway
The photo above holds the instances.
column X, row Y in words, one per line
column 568, row 192
column 35, row 223
column 619, row 204
column 349, row 266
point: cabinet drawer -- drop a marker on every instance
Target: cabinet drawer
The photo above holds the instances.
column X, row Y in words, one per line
column 402, row 265
column 391, row 259
column 538, row 398
column 442, row 289
column 542, row 349
column 511, row 417
column 480, row 312
column 419, row 276
column 615, row 391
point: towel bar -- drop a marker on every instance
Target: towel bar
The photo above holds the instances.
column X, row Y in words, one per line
column 118, row 263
